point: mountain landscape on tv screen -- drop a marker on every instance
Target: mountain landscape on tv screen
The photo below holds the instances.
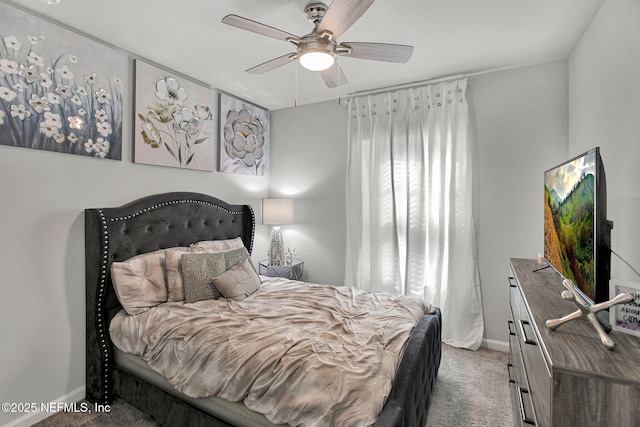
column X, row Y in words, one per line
column 569, row 232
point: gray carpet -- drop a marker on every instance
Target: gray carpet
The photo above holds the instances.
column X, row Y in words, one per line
column 471, row 390
column 120, row 414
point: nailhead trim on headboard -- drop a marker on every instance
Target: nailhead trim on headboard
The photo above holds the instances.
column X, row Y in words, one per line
column 101, row 296
column 175, row 202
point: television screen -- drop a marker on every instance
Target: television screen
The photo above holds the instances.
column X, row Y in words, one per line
column 576, row 232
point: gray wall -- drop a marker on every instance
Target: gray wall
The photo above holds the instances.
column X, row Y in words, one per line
column 605, row 111
column 309, row 164
column 522, row 130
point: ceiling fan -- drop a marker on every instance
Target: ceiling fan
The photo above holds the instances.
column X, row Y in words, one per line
column 318, row 50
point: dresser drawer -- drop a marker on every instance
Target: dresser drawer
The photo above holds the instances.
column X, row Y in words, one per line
column 520, row 404
column 538, row 374
column 515, row 406
column 516, row 368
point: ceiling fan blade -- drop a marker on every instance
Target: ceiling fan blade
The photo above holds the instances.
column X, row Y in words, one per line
column 272, row 64
column 379, row 51
column 341, row 15
column 334, row 76
column 257, row 27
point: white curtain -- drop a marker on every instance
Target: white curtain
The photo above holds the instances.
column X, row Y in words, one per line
column 410, row 224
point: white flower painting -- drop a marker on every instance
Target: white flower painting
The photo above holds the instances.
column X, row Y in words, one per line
column 244, row 137
column 59, row 91
column 174, row 123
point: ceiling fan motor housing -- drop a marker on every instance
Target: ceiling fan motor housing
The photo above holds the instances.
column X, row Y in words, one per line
column 315, row 12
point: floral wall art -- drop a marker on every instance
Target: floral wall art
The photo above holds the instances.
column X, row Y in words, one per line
column 174, row 124
column 59, row 91
column 244, row 137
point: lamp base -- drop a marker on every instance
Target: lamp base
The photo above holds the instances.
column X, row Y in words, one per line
column 276, row 248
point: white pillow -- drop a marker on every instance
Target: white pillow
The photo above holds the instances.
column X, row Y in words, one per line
column 238, row 282
column 220, row 245
column 140, row 281
column 174, row 273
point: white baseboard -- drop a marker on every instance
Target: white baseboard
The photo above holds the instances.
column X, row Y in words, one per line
column 31, row 418
column 495, row 345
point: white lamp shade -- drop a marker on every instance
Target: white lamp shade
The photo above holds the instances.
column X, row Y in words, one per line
column 277, row 211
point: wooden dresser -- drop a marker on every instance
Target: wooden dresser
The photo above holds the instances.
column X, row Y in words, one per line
column 566, row 377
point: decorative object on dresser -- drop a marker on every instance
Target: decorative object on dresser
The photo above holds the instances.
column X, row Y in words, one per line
column 277, row 212
column 588, row 311
column 626, row 317
column 291, row 270
column 566, row 377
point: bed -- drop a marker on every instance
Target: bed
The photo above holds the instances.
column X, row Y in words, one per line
column 181, row 219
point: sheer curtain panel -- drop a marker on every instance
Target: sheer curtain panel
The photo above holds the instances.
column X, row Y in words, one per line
column 410, row 224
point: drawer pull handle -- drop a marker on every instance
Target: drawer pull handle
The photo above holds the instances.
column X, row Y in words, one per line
column 523, row 411
column 526, row 339
column 512, row 283
column 509, row 325
column 509, row 369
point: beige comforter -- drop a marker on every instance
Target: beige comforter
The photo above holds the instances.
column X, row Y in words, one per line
column 301, row 354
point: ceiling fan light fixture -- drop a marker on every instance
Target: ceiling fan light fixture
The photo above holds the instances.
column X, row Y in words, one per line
column 316, row 60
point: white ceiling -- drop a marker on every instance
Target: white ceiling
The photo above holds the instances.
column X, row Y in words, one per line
column 450, row 37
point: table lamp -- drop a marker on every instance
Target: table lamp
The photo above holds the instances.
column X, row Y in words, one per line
column 277, row 212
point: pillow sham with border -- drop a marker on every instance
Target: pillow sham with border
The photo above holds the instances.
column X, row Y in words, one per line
column 140, row 282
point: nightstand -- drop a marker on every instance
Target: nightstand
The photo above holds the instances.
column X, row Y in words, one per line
column 293, row 271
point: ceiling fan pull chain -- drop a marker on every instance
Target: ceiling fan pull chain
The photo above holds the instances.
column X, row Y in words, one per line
column 339, row 82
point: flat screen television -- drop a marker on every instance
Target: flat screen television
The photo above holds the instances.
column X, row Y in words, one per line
column 577, row 235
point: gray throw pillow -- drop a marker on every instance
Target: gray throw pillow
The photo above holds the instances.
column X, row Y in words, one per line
column 198, row 273
column 236, row 256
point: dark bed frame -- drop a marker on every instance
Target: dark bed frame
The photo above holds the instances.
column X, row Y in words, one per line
column 180, row 219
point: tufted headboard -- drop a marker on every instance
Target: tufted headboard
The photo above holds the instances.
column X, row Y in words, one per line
column 144, row 225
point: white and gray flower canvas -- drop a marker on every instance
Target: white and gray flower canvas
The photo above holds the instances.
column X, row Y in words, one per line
column 174, row 120
column 59, row 91
column 244, row 137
